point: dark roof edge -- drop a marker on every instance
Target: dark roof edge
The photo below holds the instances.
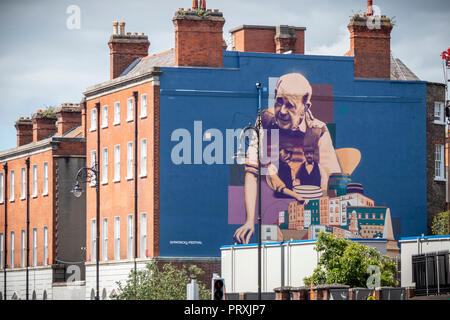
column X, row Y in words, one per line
column 120, row 81
column 247, row 26
column 36, row 147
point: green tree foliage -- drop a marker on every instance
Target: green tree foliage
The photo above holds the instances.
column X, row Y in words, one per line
column 160, row 283
column 441, row 224
column 346, row 262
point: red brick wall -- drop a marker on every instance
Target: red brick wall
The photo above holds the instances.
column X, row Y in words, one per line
column 117, row 198
column 124, row 52
column 371, row 50
column 198, row 42
column 24, row 132
column 254, row 40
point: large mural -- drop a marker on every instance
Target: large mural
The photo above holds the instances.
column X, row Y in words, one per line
column 306, row 183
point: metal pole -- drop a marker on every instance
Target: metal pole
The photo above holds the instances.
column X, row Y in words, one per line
column 97, row 187
column 258, row 128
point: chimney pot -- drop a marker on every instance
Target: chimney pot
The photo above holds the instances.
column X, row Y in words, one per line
column 122, row 28
column 115, row 27
column 369, row 11
column 195, row 4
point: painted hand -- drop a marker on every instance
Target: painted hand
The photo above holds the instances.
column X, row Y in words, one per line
column 244, row 233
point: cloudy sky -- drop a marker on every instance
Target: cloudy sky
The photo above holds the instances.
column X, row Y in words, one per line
column 44, row 62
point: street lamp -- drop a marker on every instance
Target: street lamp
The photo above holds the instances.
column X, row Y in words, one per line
column 91, row 175
column 257, row 128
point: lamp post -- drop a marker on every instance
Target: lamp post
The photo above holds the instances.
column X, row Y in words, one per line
column 91, row 175
column 256, row 129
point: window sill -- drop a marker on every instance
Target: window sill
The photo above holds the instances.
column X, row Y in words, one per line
column 104, row 127
column 34, row 196
column 440, row 179
column 92, row 129
column 439, row 122
column 116, row 180
column 129, row 120
column 45, row 194
column 129, row 178
column 23, row 198
column 143, row 116
column 11, row 200
column 143, row 175
column 116, row 123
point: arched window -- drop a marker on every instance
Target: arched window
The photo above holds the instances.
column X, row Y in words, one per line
column 112, row 294
column 92, row 294
column 1, row 295
column 14, row 297
column 34, row 295
column 45, row 295
column 104, row 295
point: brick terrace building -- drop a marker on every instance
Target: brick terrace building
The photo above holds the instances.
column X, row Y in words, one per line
column 151, row 207
column 42, row 224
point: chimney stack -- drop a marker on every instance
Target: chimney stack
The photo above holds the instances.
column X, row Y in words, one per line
column 68, row 117
column 268, row 39
column 24, row 128
column 43, row 125
column 370, row 45
column 195, row 4
column 198, row 37
column 125, row 49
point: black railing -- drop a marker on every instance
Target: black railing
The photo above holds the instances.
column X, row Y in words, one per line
column 431, row 273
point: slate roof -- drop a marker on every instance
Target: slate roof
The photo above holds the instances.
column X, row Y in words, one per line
column 399, row 71
column 162, row 59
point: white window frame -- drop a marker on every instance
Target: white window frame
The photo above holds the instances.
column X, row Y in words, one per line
column 45, row 192
column 116, row 113
column 130, row 160
column 116, row 238
column 93, row 240
column 35, row 179
column 130, row 235
column 93, row 119
column 22, row 248
column 45, row 260
column 2, row 188
column 93, row 162
column 439, row 162
column 104, row 117
column 12, row 183
column 105, row 166
column 11, row 252
column 34, row 248
column 143, row 235
column 116, row 163
column 105, row 239
column 439, row 113
column 130, row 109
column 1, row 250
column 143, row 159
column 23, row 178
column 144, row 104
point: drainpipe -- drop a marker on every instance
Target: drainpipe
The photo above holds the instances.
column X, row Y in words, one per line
column 5, row 187
column 135, row 96
column 27, row 162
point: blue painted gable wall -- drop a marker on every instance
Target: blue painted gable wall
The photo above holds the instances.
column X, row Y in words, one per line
column 385, row 120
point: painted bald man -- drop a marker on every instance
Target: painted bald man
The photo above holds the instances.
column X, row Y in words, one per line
column 292, row 116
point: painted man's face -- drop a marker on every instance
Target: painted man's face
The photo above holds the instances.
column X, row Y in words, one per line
column 292, row 100
column 289, row 113
column 309, row 156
